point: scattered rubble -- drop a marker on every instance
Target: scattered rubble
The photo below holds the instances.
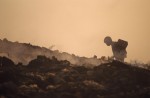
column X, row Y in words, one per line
column 44, row 78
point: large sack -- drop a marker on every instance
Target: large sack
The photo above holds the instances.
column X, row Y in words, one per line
column 122, row 44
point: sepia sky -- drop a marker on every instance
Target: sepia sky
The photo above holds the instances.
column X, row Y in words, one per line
column 79, row 26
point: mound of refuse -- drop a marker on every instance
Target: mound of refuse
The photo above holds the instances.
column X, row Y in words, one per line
column 44, row 77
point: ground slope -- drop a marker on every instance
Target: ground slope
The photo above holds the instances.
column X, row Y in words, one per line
column 51, row 78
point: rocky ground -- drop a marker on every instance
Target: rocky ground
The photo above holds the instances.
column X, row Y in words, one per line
column 50, row 78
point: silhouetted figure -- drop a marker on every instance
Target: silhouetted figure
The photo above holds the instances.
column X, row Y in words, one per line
column 118, row 48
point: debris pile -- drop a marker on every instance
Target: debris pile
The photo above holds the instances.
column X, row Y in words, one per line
column 44, row 78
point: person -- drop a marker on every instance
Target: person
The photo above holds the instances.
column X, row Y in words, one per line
column 118, row 48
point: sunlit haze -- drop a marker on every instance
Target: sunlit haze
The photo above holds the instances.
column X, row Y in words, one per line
column 79, row 26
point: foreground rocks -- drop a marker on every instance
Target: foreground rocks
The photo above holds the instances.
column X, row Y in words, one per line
column 50, row 78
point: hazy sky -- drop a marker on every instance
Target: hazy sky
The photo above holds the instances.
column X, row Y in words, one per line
column 78, row 26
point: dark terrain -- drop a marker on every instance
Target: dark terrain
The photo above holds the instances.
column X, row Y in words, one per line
column 52, row 78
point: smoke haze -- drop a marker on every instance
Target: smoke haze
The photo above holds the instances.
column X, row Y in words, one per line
column 24, row 53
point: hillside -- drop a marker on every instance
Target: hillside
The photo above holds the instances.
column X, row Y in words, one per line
column 52, row 78
column 23, row 52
